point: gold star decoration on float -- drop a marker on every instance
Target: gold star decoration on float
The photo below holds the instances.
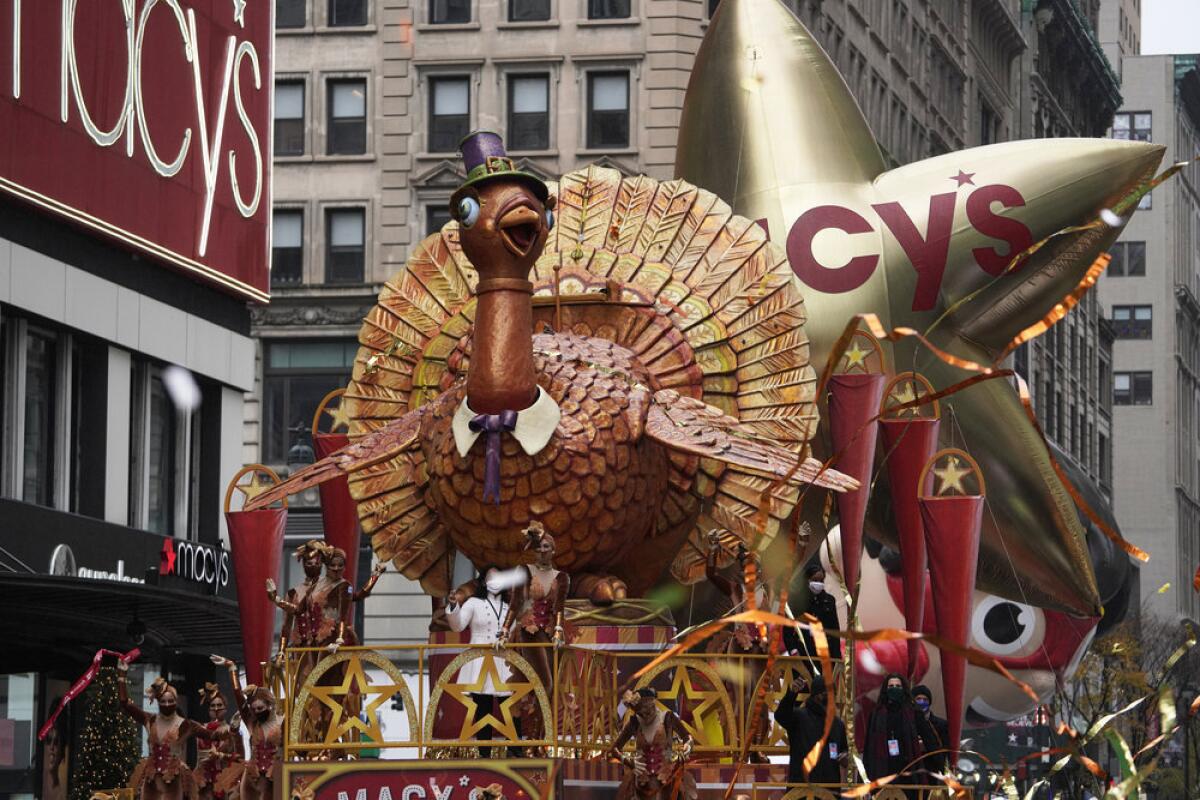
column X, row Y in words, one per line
column 354, row 682
column 856, row 357
column 340, row 417
column 255, row 487
column 683, row 686
column 951, row 475
column 462, row 692
column 924, row 246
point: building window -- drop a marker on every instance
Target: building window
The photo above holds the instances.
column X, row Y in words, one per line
column 529, row 112
column 347, row 130
column 449, row 12
column 38, row 445
column 345, row 236
column 1133, row 125
column 712, row 7
column 449, row 113
column 290, row 13
column 296, row 377
column 1133, row 389
column 163, row 455
column 347, row 13
column 436, row 215
column 1133, row 322
column 989, row 123
column 1128, row 260
column 608, row 110
column 528, row 10
column 287, row 247
column 289, row 118
column 608, row 9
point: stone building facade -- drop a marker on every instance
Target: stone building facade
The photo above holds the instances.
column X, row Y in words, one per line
column 1149, row 294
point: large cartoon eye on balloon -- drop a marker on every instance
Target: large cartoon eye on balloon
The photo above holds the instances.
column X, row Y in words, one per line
column 1007, row 628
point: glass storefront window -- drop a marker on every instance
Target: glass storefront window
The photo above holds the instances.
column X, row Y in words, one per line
column 37, row 478
column 17, row 693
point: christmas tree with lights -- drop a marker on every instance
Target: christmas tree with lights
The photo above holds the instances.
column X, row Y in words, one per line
column 108, row 746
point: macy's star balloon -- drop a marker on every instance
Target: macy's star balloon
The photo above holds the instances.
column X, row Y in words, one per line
column 769, row 125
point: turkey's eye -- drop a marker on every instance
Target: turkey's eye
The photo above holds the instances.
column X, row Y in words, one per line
column 467, row 211
column 1002, row 626
column 549, row 219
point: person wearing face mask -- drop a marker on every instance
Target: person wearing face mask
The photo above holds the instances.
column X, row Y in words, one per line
column 482, row 613
column 215, row 754
column 255, row 778
column 655, row 770
column 804, row 722
column 935, row 761
column 162, row 775
column 895, row 732
column 823, row 606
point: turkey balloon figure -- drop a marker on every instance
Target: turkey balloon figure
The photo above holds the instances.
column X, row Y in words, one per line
column 655, row 363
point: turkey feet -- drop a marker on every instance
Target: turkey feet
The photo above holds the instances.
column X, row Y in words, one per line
column 601, row 590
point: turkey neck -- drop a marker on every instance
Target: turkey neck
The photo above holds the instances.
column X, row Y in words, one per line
column 501, row 375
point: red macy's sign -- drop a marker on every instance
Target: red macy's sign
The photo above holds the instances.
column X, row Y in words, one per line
column 146, row 120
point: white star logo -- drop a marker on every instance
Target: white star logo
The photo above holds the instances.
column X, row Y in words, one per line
column 239, row 12
column 463, row 780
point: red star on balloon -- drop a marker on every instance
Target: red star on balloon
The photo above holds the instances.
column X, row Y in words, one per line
column 794, row 151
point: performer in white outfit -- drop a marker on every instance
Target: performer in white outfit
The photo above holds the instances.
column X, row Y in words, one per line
column 482, row 613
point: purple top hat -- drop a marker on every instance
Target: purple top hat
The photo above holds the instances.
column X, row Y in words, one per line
column 485, row 159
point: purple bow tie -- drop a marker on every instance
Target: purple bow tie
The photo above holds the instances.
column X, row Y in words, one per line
column 493, row 425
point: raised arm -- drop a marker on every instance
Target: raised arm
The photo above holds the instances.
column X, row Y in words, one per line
column 723, row 584
column 128, row 706
column 239, row 697
column 785, row 712
column 369, row 586
column 289, row 606
column 562, row 586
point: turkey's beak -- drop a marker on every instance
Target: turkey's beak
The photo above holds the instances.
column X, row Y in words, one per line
column 519, row 228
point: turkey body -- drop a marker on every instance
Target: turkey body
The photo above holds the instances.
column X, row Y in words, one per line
column 599, row 486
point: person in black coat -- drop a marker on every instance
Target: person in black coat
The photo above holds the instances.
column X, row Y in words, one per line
column 934, row 762
column 823, row 606
column 895, row 733
column 804, row 723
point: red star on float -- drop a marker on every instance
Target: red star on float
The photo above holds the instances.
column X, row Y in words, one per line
column 166, row 563
column 964, row 178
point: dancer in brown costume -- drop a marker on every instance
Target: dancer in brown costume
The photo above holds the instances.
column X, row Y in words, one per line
column 654, row 771
column 215, row 753
column 256, row 777
column 162, row 775
column 535, row 615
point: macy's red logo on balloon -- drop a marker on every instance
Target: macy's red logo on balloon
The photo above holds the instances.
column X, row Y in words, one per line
column 927, row 252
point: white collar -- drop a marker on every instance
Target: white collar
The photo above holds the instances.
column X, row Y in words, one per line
column 535, row 425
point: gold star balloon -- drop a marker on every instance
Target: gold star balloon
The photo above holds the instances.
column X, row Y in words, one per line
column 794, row 151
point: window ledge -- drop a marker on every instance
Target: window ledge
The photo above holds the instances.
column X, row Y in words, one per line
column 337, row 158
column 307, row 30
column 609, row 23
column 528, row 26
column 433, row 27
column 628, row 151
column 446, row 156
column 303, row 158
column 345, row 30
column 533, row 153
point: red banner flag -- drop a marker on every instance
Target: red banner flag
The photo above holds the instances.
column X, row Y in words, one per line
column 952, row 540
column 256, row 538
column 339, row 512
column 909, row 443
column 853, row 426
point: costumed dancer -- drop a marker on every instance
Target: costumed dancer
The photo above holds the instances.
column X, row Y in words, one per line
column 214, row 754
column 335, row 598
column 655, row 770
column 744, row 639
column 535, row 616
column 301, row 617
column 257, row 777
column 162, row 775
column 483, row 613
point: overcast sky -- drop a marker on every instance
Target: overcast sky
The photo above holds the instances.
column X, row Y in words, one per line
column 1170, row 26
